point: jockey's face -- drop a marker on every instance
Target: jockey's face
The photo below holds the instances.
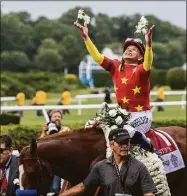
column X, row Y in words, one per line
column 132, row 55
column 5, row 154
column 56, row 118
column 120, row 149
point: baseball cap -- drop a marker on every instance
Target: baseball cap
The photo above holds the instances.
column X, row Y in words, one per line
column 118, row 135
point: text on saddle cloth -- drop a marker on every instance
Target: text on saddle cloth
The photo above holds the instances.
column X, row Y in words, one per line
column 170, row 153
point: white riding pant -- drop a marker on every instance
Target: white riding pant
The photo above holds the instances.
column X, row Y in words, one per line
column 140, row 121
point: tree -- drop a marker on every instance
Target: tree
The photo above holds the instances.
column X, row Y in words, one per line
column 48, row 60
column 48, row 43
column 72, row 49
column 15, row 35
column 103, row 26
column 161, row 56
column 48, row 29
column 14, row 61
column 70, row 16
column 176, row 55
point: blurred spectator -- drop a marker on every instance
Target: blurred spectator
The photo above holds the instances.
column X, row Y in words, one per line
column 66, row 100
column 8, row 167
column 33, row 102
column 107, row 98
column 160, row 97
column 55, row 117
column 20, row 100
column 41, row 98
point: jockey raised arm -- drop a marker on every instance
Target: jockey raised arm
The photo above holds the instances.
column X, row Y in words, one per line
column 130, row 77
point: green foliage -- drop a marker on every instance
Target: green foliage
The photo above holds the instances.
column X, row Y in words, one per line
column 65, row 48
column 161, row 76
column 31, row 82
column 15, row 60
column 11, row 85
column 153, row 77
column 6, row 119
column 23, row 134
column 176, row 78
column 176, row 55
column 48, row 60
column 102, row 79
column 161, row 56
column 168, row 123
column 15, row 35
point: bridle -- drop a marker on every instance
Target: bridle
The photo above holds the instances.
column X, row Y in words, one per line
column 42, row 168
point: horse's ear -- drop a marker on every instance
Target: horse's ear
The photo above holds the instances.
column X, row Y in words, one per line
column 33, row 146
column 18, row 146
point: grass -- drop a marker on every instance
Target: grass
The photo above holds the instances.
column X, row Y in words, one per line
column 170, row 113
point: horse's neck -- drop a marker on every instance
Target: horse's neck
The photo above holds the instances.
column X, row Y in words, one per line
column 64, row 152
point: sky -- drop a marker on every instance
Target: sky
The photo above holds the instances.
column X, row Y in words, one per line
column 172, row 11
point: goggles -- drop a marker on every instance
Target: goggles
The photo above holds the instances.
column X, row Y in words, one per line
column 136, row 40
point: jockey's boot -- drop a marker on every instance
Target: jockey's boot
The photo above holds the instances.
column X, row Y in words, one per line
column 140, row 139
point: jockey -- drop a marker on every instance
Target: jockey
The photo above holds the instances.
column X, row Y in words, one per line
column 131, row 80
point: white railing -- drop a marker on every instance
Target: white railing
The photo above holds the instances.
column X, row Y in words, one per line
column 79, row 99
column 102, row 95
column 79, row 107
column 7, row 98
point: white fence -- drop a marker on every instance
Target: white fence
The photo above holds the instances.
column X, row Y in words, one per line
column 80, row 107
column 79, row 98
column 102, row 95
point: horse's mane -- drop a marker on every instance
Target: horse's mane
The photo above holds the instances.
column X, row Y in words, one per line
column 70, row 133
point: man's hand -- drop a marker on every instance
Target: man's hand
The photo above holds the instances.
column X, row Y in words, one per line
column 44, row 128
column 148, row 36
column 82, row 29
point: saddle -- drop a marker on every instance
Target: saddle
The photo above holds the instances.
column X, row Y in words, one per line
column 161, row 141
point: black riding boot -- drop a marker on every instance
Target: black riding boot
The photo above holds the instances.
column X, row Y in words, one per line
column 139, row 138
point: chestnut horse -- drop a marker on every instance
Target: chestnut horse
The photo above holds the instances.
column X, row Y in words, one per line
column 70, row 155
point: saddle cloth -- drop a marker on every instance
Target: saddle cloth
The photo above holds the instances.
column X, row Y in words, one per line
column 167, row 147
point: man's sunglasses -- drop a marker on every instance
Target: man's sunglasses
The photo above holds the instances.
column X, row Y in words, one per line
column 3, row 149
column 136, row 40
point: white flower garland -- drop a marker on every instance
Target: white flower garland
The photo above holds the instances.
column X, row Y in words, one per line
column 108, row 121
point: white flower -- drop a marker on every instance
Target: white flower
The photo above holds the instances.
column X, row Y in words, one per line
column 142, row 25
column 86, row 19
column 119, row 120
column 112, row 113
column 143, row 21
column 144, row 31
column 81, row 12
column 16, row 181
column 82, row 15
column 123, row 111
column 113, row 127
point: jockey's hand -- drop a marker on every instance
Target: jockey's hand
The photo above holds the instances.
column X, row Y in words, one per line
column 148, row 36
column 82, row 29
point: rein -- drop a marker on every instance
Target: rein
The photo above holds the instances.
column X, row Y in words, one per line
column 41, row 166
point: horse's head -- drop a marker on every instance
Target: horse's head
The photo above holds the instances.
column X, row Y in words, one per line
column 34, row 173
